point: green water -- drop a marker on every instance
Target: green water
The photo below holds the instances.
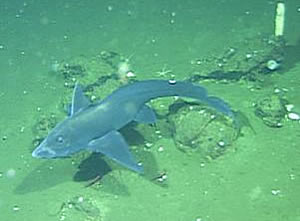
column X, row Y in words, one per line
column 258, row 180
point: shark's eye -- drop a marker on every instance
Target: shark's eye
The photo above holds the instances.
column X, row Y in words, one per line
column 60, row 139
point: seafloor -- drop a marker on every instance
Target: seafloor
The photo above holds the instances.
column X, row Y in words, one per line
column 257, row 178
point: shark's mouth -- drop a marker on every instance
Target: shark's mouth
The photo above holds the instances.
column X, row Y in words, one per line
column 42, row 151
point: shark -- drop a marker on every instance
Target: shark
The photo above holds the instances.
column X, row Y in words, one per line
column 95, row 126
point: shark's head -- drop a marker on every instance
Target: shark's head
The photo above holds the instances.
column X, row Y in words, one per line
column 56, row 144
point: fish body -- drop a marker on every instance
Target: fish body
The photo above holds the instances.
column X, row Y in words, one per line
column 95, row 127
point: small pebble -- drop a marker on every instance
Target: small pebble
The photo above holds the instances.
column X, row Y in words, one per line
column 160, row 149
column 172, row 82
column 16, row 208
column 275, row 192
column 198, row 62
column 292, row 176
column 80, row 199
column 289, row 107
column 285, row 89
column 148, row 144
column 93, row 97
column 277, row 90
column 273, row 65
column 248, row 56
column 221, row 143
column 293, row 116
column 130, row 74
column 162, row 178
column 140, row 164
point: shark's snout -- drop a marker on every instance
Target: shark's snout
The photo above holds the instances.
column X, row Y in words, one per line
column 43, row 152
column 38, row 153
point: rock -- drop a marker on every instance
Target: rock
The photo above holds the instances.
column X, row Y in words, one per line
column 271, row 110
column 198, row 128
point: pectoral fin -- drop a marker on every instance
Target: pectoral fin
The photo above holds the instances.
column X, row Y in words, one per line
column 145, row 115
column 115, row 147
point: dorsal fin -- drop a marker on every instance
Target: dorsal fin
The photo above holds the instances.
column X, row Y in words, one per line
column 79, row 100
